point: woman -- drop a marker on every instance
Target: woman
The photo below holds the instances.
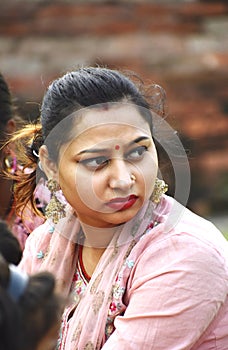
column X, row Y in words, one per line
column 30, row 310
column 9, row 122
column 143, row 272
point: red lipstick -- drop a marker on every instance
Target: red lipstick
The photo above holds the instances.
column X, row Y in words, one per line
column 122, row 203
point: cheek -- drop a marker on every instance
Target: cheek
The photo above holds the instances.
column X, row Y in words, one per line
column 99, row 185
column 149, row 161
column 147, row 173
column 88, row 189
column 78, row 187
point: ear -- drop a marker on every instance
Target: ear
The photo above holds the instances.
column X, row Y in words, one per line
column 11, row 126
column 49, row 167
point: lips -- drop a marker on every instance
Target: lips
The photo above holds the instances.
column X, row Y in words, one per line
column 122, row 203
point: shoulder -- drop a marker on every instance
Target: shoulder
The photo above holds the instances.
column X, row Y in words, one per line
column 180, row 243
column 182, row 264
column 37, row 241
column 183, row 223
column 39, row 234
column 36, row 244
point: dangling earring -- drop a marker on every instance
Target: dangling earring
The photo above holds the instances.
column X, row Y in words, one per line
column 10, row 163
column 160, row 187
column 55, row 210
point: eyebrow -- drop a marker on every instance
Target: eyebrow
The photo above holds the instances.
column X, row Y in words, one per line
column 98, row 150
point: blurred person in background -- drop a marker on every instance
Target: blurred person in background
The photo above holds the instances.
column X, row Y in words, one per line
column 9, row 122
column 30, row 310
column 10, row 247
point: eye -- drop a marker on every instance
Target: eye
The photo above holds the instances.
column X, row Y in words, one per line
column 137, row 153
column 94, row 163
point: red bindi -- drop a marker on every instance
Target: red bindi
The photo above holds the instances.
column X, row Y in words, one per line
column 117, row 147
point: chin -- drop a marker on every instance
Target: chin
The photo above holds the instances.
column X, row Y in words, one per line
column 121, row 217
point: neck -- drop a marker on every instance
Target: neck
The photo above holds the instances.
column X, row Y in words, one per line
column 96, row 241
column 99, row 238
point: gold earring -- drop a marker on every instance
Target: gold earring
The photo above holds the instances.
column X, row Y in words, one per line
column 133, row 178
column 10, row 164
column 55, row 210
column 160, row 187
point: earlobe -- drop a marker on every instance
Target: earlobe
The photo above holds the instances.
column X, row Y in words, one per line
column 48, row 166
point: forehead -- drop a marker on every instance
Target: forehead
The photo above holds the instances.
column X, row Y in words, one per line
column 120, row 123
column 89, row 126
column 116, row 116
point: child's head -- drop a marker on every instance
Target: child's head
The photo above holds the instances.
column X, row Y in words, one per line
column 30, row 311
column 6, row 106
column 9, row 245
column 9, row 119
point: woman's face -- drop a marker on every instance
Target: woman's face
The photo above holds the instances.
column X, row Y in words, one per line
column 108, row 170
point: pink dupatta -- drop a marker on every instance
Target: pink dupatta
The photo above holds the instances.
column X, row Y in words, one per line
column 86, row 328
column 54, row 248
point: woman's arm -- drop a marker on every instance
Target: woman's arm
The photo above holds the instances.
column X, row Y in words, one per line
column 176, row 289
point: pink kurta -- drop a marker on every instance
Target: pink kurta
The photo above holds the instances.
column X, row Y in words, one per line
column 171, row 292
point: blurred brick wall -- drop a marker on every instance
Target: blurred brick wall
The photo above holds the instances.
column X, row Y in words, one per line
column 181, row 45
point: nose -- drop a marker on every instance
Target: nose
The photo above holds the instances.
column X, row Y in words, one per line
column 120, row 175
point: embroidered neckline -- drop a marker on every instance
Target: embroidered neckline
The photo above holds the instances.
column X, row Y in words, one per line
column 81, row 266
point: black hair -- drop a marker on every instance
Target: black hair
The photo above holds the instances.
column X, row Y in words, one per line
column 6, row 107
column 9, row 244
column 40, row 309
column 24, row 322
column 8, row 110
column 86, row 87
column 6, row 104
column 9, row 313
